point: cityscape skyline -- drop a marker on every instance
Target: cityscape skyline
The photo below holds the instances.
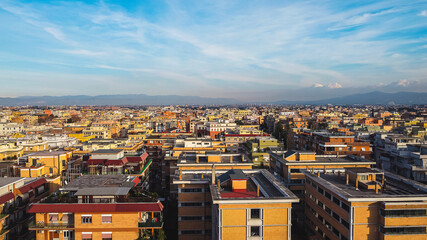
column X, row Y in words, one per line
column 246, row 50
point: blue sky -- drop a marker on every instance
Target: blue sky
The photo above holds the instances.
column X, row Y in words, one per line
column 249, row 50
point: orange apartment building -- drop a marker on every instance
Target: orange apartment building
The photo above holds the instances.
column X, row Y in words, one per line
column 47, row 163
column 325, row 143
column 364, row 203
column 193, row 179
column 250, row 205
column 291, row 165
column 97, row 207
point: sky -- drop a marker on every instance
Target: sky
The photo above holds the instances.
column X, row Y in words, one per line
column 247, row 50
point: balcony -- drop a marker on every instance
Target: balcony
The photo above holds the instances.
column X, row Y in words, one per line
column 154, row 221
column 43, row 225
column 150, row 224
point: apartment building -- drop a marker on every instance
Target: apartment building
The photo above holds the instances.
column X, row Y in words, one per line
column 98, row 207
column 291, row 165
column 250, row 205
column 16, row 194
column 47, row 163
column 193, row 178
column 257, row 147
column 10, row 150
column 364, row 203
column 10, row 128
column 325, row 143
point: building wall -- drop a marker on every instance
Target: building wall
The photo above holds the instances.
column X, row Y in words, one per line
column 235, row 222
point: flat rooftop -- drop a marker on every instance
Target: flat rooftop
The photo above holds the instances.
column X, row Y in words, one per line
column 395, row 186
column 107, row 151
column 48, row 153
column 4, row 181
column 269, row 187
column 99, row 181
column 191, row 158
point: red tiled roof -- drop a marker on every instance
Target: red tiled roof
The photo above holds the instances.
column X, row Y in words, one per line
column 95, row 161
column 6, row 197
column 32, row 185
column 115, row 162
column 137, row 159
column 95, row 207
column 238, row 194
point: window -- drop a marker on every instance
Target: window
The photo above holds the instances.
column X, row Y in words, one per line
column 191, row 204
column 256, row 213
column 107, row 235
column 404, row 213
column 403, row 230
column 345, row 207
column 345, row 223
column 86, row 236
column 68, row 234
column 65, row 217
column 87, row 219
column 53, row 217
column 191, row 190
column 107, row 218
column 255, row 231
column 327, row 195
column 336, row 201
column 336, row 216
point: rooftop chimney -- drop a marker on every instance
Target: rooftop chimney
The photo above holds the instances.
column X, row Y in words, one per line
column 257, row 190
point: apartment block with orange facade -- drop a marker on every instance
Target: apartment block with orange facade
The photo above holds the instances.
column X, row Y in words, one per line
column 98, row 207
column 250, row 205
column 291, row 165
column 46, row 163
column 325, row 143
column 193, row 178
column 364, row 203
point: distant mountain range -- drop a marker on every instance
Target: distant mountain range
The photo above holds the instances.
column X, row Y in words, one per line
column 128, row 99
column 381, row 98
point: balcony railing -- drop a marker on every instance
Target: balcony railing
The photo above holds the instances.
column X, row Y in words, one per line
column 151, row 224
column 43, row 225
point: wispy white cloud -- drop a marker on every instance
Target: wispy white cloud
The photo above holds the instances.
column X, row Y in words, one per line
column 423, row 13
column 58, row 34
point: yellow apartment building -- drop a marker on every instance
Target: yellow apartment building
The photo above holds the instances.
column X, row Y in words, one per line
column 250, row 205
column 364, row 203
column 192, row 180
column 47, row 163
column 10, row 150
